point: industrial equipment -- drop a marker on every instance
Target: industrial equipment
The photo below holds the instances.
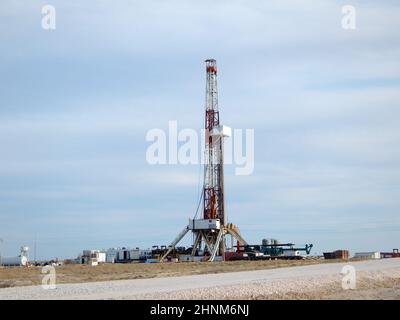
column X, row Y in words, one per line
column 269, row 249
column 21, row 260
column 211, row 229
column 274, row 248
column 394, row 254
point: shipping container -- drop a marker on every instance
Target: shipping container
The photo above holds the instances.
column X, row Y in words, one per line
column 367, row 255
column 204, row 224
column 134, row 254
column 338, row 254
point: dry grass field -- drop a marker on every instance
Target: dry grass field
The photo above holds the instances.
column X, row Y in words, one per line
column 19, row 276
column 312, row 279
column 383, row 288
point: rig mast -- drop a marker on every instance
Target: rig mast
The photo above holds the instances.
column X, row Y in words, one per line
column 210, row 231
column 213, row 205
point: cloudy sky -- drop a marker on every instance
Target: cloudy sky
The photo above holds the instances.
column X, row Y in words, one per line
column 76, row 104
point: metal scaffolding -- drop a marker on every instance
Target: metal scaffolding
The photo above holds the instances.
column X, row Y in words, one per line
column 209, row 232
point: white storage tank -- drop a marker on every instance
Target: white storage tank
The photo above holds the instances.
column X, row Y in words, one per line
column 21, row 260
column 14, row 261
column 224, row 131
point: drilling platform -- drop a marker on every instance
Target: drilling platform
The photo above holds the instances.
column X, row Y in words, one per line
column 211, row 230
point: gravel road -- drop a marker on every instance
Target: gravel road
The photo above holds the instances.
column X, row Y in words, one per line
column 244, row 284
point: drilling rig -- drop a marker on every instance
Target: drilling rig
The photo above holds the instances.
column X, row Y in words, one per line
column 209, row 232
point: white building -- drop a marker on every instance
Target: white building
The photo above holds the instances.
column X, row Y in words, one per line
column 367, row 255
column 92, row 257
column 114, row 255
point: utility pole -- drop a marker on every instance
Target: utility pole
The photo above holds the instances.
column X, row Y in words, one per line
column 34, row 249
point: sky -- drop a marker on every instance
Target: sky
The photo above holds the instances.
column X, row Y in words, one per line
column 77, row 102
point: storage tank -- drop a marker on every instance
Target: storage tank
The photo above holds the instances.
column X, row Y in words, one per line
column 21, row 260
column 14, row 261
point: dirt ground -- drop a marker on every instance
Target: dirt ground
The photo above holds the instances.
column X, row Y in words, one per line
column 266, row 280
column 20, row 276
column 367, row 289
